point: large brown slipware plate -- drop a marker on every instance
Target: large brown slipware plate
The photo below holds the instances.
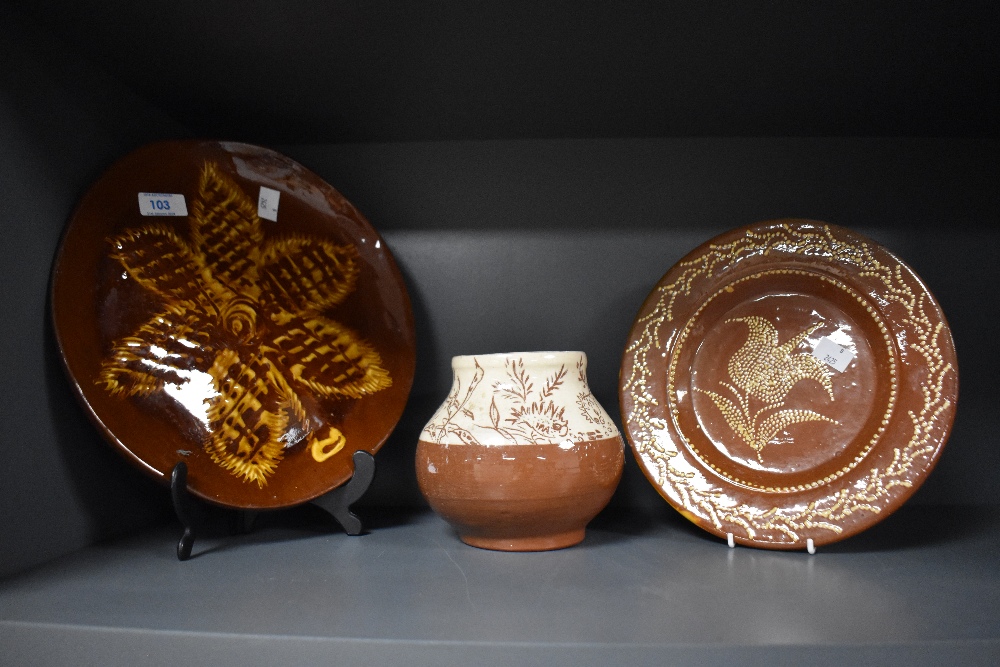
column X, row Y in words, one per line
column 788, row 382
column 261, row 353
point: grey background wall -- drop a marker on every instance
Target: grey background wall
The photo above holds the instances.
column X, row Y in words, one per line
column 62, row 121
column 507, row 243
column 555, row 244
column 405, row 70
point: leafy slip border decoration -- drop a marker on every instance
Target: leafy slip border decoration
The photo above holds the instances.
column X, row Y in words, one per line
column 784, row 525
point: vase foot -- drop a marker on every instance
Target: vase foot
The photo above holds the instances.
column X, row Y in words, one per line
column 526, row 543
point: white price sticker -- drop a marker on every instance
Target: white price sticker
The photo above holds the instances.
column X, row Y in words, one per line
column 833, row 355
column 159, row 203
column 267, row 204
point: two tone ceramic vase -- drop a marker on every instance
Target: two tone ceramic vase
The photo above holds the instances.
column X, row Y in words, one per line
column 521, row 456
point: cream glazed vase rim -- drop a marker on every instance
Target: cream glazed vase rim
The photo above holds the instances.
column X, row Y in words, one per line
column 520, row 398
column 469, row 360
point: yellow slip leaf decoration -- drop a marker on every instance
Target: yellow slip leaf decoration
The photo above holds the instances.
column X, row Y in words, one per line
column 764, row 371
column 768, row 371
column 246, row 316
column 781, row 420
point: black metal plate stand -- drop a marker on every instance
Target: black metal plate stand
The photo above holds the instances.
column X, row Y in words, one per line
column 336, row 503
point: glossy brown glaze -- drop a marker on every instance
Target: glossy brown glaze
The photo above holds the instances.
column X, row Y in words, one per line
column 261, row 353
column 520, row 497
column 743, row 422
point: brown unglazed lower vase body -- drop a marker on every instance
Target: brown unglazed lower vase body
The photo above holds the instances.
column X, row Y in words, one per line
column 520, row 456
column 520, row 497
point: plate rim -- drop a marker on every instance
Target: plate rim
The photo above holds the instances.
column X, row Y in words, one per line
column 636, row 433
column 230, row 147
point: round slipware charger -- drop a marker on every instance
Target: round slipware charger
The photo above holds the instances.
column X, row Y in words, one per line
column 219, row 304
column 788, row 384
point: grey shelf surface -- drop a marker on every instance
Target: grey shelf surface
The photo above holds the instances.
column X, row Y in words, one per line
column 919, row 588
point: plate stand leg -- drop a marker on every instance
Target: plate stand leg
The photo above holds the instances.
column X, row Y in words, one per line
column 244, row 520
column 184, row 508
column 338, row 502
column 191, row 515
